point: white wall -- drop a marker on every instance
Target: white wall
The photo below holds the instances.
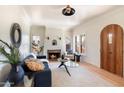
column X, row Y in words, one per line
column 93, row 28
column 9, row 15
column 54, row 33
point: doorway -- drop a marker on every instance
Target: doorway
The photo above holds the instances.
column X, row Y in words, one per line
column 112, row 49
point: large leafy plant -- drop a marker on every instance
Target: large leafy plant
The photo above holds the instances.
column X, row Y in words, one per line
column 12, row 55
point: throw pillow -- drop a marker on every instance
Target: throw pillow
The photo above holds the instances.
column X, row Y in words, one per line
column 34, row 65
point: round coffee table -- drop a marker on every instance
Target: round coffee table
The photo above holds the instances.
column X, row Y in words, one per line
column 71, row 64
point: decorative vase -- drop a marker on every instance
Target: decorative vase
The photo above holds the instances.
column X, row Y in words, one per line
column 16, row 74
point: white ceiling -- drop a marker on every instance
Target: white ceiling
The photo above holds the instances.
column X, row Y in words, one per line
column 51, row 15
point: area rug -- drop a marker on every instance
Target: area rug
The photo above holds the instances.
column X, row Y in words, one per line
column 80, row 77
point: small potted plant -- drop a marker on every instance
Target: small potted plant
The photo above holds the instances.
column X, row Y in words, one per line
column 13, row 57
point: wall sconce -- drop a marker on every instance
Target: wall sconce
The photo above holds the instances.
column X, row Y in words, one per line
column 59, row 38
column 47, row 38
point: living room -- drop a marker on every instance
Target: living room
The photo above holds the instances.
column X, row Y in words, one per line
column 51, row 34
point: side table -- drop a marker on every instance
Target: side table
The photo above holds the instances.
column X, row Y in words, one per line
column 77, row 57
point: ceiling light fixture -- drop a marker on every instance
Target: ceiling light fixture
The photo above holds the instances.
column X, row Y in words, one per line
column 68, row 11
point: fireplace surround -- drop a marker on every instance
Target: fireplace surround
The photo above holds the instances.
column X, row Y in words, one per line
column 53, row 55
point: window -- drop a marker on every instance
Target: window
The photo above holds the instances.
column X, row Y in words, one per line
column 83, row 44
column 110, row 38
column 80, row 46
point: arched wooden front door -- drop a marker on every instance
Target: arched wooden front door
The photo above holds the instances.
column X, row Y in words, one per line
column 112, row 49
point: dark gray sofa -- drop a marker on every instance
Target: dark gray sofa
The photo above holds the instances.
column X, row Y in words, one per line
column 41, row 78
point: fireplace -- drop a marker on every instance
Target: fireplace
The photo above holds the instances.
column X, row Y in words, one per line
column 53, row 55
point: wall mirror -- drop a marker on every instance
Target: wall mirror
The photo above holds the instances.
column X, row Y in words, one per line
column 15, row 35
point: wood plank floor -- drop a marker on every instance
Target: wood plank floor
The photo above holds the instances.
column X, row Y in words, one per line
column 113, row 79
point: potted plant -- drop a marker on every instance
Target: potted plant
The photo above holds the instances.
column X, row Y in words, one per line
column 13, row 57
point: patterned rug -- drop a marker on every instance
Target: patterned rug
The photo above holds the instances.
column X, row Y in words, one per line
column 80, row 77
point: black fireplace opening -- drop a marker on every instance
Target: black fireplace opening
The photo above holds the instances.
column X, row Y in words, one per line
column 53, row 55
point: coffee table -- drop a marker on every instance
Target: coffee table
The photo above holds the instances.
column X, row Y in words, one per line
column 63, row 64
column 71, row 64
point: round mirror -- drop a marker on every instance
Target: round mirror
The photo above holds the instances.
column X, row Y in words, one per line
column 15, row 35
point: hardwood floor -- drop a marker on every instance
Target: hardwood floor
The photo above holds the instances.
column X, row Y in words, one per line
column 112, row 78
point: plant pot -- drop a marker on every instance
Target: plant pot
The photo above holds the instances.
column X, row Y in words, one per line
column 16, row 74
